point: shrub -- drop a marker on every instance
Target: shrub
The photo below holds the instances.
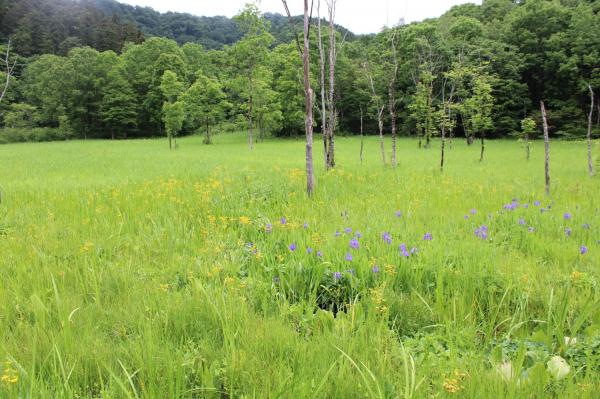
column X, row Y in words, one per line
column 21, row 135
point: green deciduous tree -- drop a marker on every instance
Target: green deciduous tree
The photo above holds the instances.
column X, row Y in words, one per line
column 205, row 104
column 118, row 109
column 173, row 111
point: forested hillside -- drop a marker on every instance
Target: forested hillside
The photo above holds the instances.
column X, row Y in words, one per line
column 475, row 70
column 56, row 26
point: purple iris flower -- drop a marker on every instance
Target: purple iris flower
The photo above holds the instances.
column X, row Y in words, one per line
column 283, row 220
column 482, row 232
column 427, row 237
column 337, row 275
column 269, row 228
column 473, row 211
column 466, row 217
column 398, row 214
column 375, row 269
column 305, row 225
column 358, row 235
column 537, row 203
column 567, row 216
column 351, row 271
column 337, row 233
column 319, row 254
column 387, row 237
column 525, row 206
column 354, row 243
column 586, row 226
column 349, row 257
column 583, row 250
column 292, row 247
column 568, row 231
column 348, row 230
column 414, row 250
column 404, row 251
column 309, row 250
column 522, row 222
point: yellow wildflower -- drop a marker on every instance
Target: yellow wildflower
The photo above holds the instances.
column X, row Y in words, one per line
column 244, row 220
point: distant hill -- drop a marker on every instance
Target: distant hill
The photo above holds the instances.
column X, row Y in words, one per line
column 211, row 32
column 56, row 26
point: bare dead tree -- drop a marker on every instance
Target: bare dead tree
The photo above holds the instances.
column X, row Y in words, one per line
column 331, row 4
column 322, row 77
column 589, row 132
column 546, row 148
column 9, row 70
column 362, row 142
column 380, row 108
column 446, row 119
column 308, row 94
column 392, row 97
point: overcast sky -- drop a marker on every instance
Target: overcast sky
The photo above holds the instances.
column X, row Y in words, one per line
column 359, row 16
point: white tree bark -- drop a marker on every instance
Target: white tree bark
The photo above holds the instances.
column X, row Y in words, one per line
column 308, row 94
column 9, row 70
column 546, row 148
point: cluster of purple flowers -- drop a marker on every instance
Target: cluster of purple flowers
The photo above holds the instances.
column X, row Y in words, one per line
column 514, row 204
column 403, row 250
column 387, row 237
column 482, row 232
column 427, row 237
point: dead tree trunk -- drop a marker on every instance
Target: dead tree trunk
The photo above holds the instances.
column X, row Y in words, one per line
column 482, row 146
column 380, row 109
column 381, row 144
column 308, row 104
column 443, row 133
column 392, row 98
column 332, row 60
column 589, row 132
column 308, row 94
column 323, row 104
column 546, row 148
column 9, row 69
column 250, row 121
column 362, row 142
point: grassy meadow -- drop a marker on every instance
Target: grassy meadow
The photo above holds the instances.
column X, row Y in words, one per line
column 132, row 271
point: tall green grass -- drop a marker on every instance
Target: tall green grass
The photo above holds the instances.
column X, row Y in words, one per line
column 132, row 271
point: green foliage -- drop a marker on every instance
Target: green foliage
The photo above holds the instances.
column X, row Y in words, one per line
column 21, row 116
column 173, row 117
column 57, row 26
column 526, row 51
column 528, row 128
column 118, row 109
column 205, row 104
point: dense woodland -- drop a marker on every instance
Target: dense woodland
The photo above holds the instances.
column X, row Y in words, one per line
column 84, row 70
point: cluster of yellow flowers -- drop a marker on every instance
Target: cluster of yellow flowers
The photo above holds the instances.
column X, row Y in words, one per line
column 86, row 247
column 453, row 384
column 576, row 276
column 9, row 376
column 390, row 270
column 378, row 297
column 245, row 220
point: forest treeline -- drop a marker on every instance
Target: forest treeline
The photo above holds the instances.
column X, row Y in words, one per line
column 476, row 68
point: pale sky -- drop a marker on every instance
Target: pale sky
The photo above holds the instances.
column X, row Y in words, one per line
column 359, row 16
